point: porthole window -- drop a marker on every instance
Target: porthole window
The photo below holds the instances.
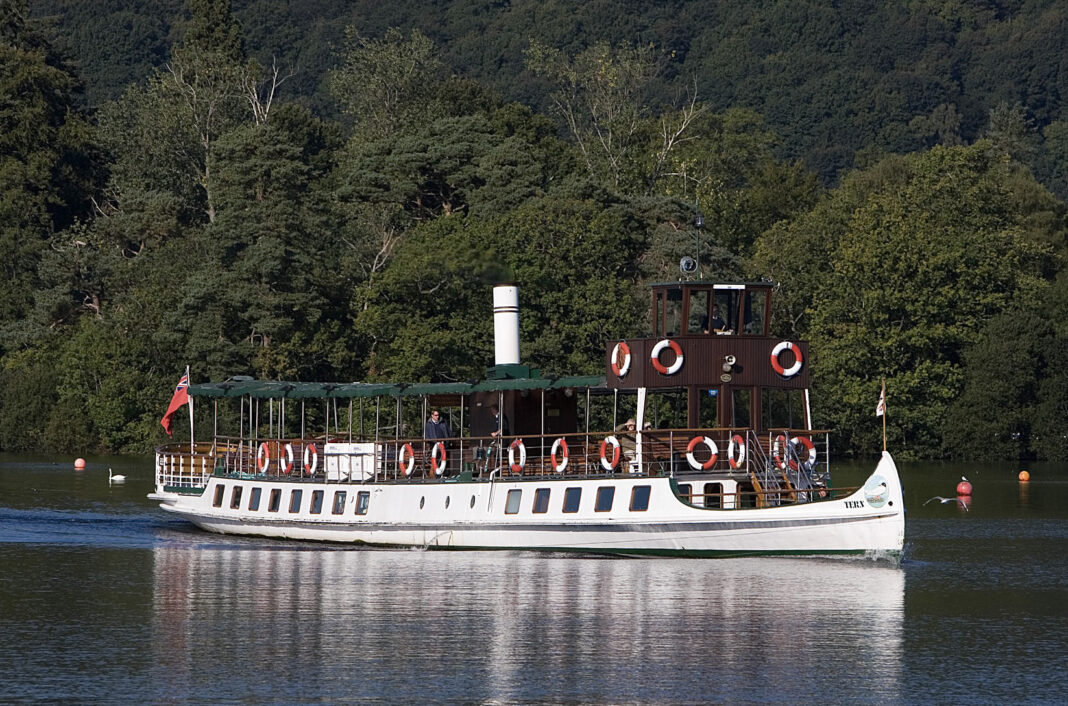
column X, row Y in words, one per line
column 422, row 501
column 446, row 502
column 472, row 501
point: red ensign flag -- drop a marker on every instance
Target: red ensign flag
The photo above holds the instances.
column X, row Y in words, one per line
column 181, row 397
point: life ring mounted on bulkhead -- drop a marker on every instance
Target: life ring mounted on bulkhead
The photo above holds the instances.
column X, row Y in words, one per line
column 559, row 445
column 515, row 447
column 778, row 452
column 263, row 457
column 406, row 459
column 713, row 450
column 618, row 368
column 617, row 450
column 736, row 452
column 654, row 357
column 285, row 459
column 438, row 457
column 810, row 460
column 311, row 459
column 776, row 365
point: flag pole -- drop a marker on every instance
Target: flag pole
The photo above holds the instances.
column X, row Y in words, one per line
column 188, row 382
column 884, row 412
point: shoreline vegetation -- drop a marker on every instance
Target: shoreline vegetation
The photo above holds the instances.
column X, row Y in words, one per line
column 328, row 197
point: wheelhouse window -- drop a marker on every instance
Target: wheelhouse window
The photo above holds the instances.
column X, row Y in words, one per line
column 254, row 499
column 605, row 495
column 217, row 500
column 316, row 502
column 294, row 500
column 511, row 506
column 639, row 498
column 275, row 500
column 714, row 495
column 541, row 500
column 363, row 499
column 339, row 502
column 572, row 497
column 235, row 498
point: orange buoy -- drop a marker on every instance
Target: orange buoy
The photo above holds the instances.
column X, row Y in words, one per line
column 964, row 487
column 1024, row 476
column 79, row 464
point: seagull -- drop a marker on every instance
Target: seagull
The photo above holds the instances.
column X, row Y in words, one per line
column 112, row 478
column 949, row 500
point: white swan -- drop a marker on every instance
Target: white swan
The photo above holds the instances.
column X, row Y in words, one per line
column 112, row 478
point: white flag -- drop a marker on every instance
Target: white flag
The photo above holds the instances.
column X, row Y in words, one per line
column 880, row 408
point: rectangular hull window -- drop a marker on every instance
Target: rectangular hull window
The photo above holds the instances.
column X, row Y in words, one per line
column 604, row 499
column 275, row 500
column 294, row 500
column 639, row 498
column 714, row 495
column 572, row 497
column 317, row 502
column 217, row 500
column 235, row 498
column 339, row 502
column 512, row 505
column 363, row 499
column 541, row 500
column 254, row 499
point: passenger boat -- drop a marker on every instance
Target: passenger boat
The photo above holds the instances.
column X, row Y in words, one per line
column 721, row 458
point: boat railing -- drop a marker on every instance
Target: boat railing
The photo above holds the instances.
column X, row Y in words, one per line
column 180, row 465
column 775, row 472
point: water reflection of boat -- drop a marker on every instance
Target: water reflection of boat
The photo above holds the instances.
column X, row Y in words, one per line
column 515, row 627
column 717, row 456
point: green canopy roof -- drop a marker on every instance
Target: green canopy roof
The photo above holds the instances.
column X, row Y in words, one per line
column 277, row 389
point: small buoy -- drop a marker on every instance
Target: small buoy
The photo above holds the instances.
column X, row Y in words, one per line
column 964, row 487
column 1024, row 476
column 79, row 463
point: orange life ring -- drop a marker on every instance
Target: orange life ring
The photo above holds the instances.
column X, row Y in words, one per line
column 810, row 462
column 616, row 452
column 286, row 465
column 311, row 459
column 559, row 444
column 517, row 445
column 654, row 357
column 263, row 457
column 438, row 464
column 778, row 451
column 406, row 452
column 621, row 370
column 712, row 448
column 736, row 452
column 778, row 350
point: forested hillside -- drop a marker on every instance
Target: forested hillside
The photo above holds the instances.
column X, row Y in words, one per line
column 325, row 190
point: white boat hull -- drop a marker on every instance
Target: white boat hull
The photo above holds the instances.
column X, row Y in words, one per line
column 472, row 515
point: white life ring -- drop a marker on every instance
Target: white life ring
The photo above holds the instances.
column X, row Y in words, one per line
column 406, row 466
column 736, row 452
column 712, row 449
column 654, row 357
column 621, row 370
column 438, row 457
column 263, row 457
column 778, row 451
column 617, row 450
column 311, row 459
column 777, row 366
column 810, row 461
column 559, row 445
column 517, row 468
column 285, row 459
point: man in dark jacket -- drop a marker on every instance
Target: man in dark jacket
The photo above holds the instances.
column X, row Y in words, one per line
column 436, row 427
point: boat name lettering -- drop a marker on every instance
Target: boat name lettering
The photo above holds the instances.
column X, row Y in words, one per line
column 854, row 503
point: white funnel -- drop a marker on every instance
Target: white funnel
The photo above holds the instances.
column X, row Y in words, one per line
column 506, row 324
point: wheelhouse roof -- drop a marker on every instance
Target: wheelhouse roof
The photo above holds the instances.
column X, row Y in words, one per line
column 279, row 389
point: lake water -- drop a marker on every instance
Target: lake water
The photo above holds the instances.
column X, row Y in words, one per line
column 104, row 598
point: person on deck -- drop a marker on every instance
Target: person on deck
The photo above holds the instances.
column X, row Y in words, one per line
column 627, row 441
column 716, row 324
column 436, row 427
column 500, row 422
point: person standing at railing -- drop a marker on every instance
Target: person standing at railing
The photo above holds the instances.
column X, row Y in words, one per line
column 436, row 429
